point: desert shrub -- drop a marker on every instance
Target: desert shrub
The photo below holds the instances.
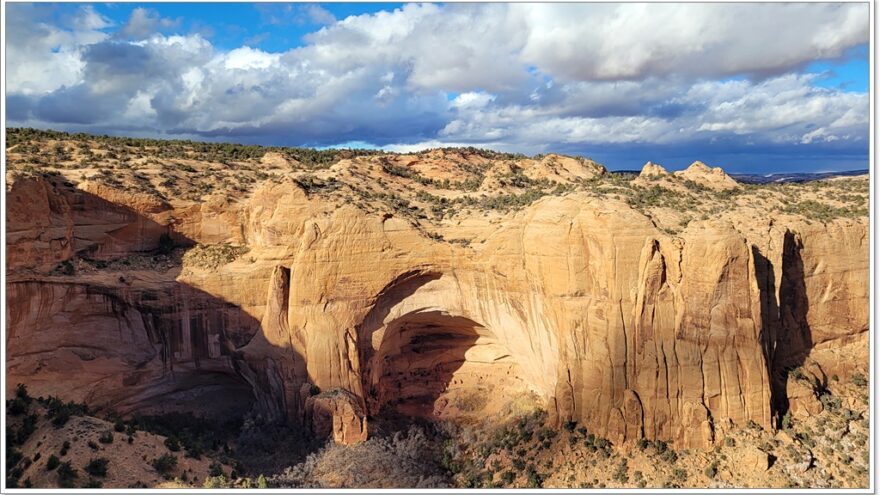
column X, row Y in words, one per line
column 219, row 481
column 60, row 412
column 64, row 268
column 797, row 373
column 106, row 437
column 13, row 473
column 694, row 186
column 654, row 196
column 22, row 395
column 164, row 464
column 806, row 439
column 823, row 212
column 859, row 380
column 216, row 469
column 194, row 451
column 310, row 183
column 730, row 442
column 213, row 255
column 60, row 418
column 508, row 477
column 712, row 470
column 97, row 467
column 507, row 202
column 66, row 475
column 399, row 170
column 402, row 459
column 785, row 424
column 16, row 407
column 172, row 444
column 194, row 433
column 93, row 483
column 829, row 402
column 533, row 478
column 18, row 436
column 621, row 475
column 850, row 415
column 669, row 456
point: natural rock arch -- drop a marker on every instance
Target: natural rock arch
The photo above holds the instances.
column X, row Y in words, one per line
column 428, row 352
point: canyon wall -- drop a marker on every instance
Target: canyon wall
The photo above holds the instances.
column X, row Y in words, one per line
column 582, row 304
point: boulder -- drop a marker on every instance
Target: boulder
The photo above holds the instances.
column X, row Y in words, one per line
column 336, row 414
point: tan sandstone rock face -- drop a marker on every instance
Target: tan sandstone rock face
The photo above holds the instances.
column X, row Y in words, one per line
column 754, row 460
column 652, row 169
column 338, row 415
column 579, row 303
column 711, row 177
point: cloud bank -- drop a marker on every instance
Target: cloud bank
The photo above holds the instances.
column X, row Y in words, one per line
column 517, row 77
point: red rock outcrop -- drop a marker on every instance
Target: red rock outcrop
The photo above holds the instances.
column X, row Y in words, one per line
column 583, row 304
column 338, row 415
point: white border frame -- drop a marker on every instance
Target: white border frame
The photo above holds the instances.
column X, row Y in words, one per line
column 872, row 344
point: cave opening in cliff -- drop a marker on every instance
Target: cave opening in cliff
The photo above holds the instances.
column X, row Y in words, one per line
column 432, row 365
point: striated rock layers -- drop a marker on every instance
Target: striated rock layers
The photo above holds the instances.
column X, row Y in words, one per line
column 335, row 314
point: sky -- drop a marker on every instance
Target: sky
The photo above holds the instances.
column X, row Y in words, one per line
column 753, row 88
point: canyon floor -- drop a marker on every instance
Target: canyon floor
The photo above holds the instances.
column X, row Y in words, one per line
column 186, row 314
column 513, row 450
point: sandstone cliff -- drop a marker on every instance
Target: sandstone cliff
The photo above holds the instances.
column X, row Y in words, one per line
column 597, row 305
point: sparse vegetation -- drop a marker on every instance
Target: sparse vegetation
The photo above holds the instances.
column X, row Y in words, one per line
column 859, row 380
column 213, row 256
column 106, row 437
column 66, row 475
column 522, row 452
column 404, row 459
column 97, row 467
column 172, row 444
column 191, row 170
column 164, row 464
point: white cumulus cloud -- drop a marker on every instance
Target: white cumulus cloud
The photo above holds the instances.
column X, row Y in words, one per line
column 523, row 77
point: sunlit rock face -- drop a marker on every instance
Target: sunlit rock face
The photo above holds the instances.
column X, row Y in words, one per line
column 337, row 315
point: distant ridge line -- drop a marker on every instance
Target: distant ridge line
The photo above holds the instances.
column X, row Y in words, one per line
column 778, row 177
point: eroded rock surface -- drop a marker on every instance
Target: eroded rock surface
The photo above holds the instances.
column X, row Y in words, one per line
column 580, row 302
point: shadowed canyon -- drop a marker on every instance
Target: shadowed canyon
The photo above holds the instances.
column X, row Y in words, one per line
column 563, row 311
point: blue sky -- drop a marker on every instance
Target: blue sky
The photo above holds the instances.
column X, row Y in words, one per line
column 749, row 87
column 848, row 73
column 274, row 27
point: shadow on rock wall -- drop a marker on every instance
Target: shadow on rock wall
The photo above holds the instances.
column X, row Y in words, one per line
column 114, row 329
column 786, row 332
